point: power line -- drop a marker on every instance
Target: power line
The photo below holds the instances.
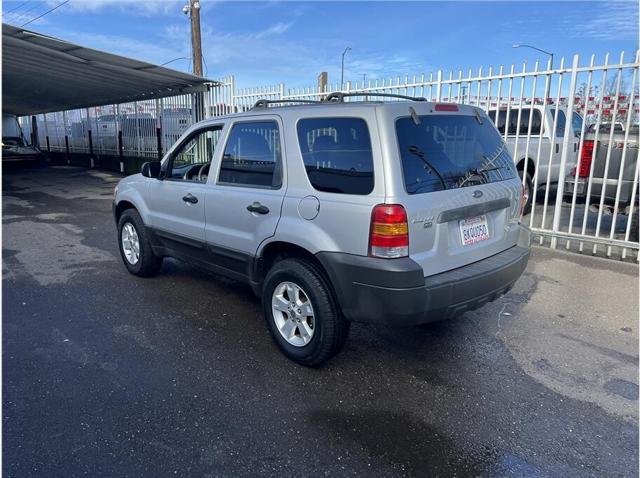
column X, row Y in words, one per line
column 45, row 13
column 19, row 15
column 15, row 8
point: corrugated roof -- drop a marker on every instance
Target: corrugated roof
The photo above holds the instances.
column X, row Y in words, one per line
column 42, row 74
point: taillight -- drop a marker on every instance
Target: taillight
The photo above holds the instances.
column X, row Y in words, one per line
column 389, row 235
column 585, row 158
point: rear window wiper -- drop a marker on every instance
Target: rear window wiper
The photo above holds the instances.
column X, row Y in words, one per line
column 477, row 172
column 413, row 149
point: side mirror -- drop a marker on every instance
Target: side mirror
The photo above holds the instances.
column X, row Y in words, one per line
column 151, row 169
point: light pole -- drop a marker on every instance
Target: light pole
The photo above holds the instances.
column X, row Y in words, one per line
column 342, row 68
column 517, row 45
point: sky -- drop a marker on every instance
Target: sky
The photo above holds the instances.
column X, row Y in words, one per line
column 266, row 43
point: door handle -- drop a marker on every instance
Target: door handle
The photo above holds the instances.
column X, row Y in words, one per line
column 557, row 148
column 258, row 208
column 190, row 198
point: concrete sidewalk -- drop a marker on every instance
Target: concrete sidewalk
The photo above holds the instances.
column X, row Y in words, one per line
column 571, row 323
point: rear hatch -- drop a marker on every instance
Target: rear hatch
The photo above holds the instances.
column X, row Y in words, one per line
column 459, row 186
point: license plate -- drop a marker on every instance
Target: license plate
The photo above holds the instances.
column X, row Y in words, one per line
column 474, row 229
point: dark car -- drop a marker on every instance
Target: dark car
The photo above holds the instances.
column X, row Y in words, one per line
column 15, row 149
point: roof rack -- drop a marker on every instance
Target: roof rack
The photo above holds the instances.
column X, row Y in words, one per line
column 266, row 103
column 338, row 97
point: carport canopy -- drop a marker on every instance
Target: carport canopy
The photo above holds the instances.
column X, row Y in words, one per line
column 41, row 74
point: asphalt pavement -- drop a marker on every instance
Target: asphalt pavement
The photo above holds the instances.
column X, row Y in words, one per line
column 107, row 374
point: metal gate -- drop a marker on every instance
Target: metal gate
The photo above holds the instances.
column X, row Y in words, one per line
column 572, row 130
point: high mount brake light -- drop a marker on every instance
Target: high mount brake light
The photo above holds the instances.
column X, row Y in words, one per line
column 446, row 107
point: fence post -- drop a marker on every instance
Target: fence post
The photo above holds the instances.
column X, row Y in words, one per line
column 281, row 91
column 137, row 116
column 90, row 137
column 120, row 151
column 439, row 86
column 232, row 94
column 117, row 123
column 66, row 146
column 35, row 140
column 158, row 129
column 568, row 133
column 159, row 141
column 66, row 136
column 46, row 133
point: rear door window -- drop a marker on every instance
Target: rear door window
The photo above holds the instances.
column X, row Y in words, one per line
column 451, row 151
column 337, row 154
column 252, row 155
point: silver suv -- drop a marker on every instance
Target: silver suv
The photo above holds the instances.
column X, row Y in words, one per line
column 398, row 213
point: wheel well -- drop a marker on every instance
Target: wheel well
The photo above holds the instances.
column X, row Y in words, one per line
column 276, row 251
column 121, row 207
column 531, row 167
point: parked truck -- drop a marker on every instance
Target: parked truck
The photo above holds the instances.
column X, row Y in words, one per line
column 525, row 152
column 611, row 166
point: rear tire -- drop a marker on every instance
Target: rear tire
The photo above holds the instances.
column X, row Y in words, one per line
column 139, row 259
column 528, row 185
column 320, row 313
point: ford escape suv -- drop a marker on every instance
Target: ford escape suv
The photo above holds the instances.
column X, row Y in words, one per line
column 398, row 213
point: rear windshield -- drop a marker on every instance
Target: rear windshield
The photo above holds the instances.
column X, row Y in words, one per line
column 451, row 151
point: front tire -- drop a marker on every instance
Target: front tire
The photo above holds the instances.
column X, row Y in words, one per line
column 135, row 248
column 302, row 314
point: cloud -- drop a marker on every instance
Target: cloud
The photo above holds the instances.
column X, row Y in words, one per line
column 614, row 20
column 135, row 7
column 259, row 55
column 269, row 57
column 277, row 29
column 273, row 54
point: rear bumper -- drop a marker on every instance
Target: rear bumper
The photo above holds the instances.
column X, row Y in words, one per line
column 393, row 292
column 580, row 185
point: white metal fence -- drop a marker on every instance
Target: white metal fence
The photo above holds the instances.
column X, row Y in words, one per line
column 571, row 129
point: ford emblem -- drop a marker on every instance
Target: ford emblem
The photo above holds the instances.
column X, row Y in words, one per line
column 477, row 194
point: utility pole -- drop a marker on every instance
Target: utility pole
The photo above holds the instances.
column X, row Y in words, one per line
column 193, row 10
column 196, row 39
